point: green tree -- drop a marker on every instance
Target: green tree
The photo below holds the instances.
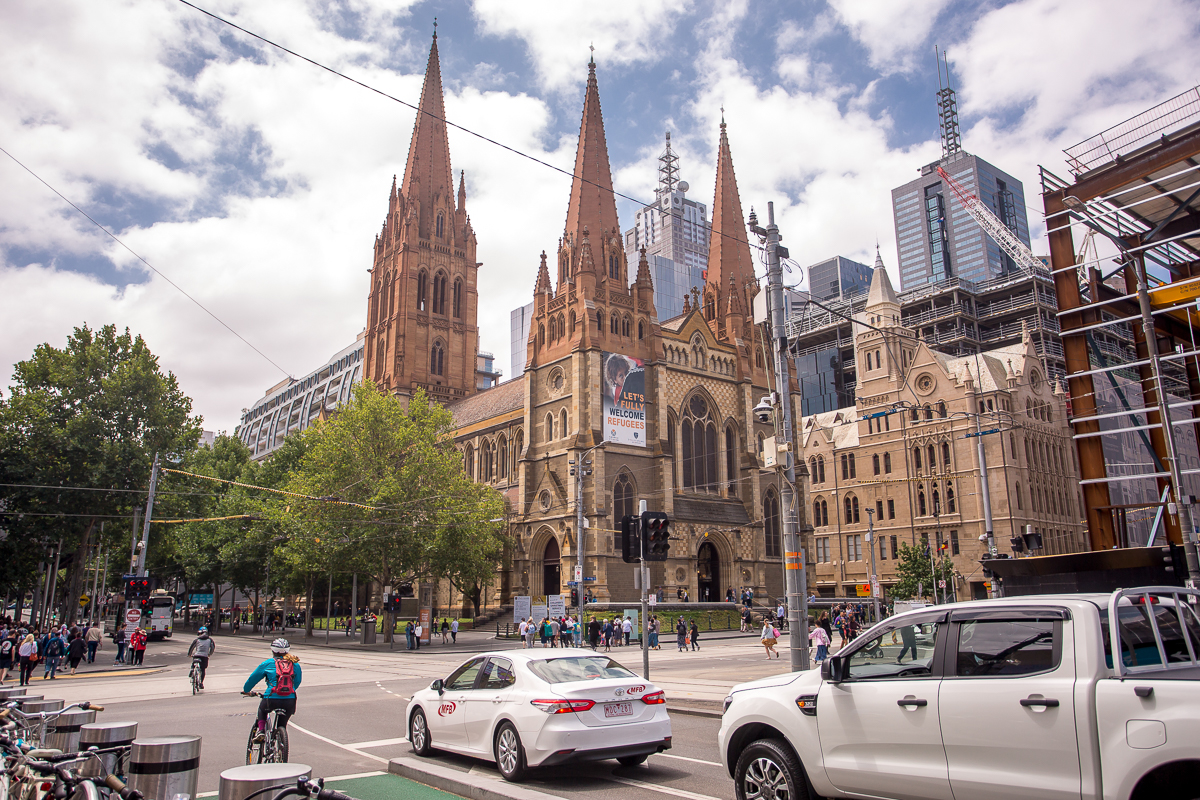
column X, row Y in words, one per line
column 915, row 573
column 91, row 414
column 404, row 510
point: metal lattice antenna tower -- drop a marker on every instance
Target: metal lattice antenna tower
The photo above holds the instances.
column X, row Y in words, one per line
column 947, row 110
column 668, row 170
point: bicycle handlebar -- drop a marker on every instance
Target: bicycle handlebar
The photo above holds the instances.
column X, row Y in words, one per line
column 312, row 789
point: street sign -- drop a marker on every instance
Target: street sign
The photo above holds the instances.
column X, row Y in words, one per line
column 520, row 608
column 133, row 616
column 556, row 606
column 578, row 572
column 941, row 584
column 589, row 579
column 653, row 599
column 83, row 599
column 864, row 589
column 202, row 598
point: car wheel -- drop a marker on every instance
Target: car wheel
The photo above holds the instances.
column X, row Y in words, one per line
column 632, row 761
column 768, row 770
column 418, row 733
column 510, row 755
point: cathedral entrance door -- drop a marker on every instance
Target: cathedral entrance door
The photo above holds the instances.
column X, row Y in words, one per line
column 708, row 568
column 551, row 582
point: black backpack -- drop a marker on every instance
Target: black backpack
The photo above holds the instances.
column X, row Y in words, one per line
column 54, row 648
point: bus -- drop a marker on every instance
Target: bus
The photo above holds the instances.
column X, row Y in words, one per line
column 158, row 615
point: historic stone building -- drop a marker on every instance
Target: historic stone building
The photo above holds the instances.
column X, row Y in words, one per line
column 903, row 453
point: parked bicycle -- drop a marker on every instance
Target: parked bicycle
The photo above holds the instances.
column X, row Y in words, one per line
column 269, row 746
column 311, row 789
column 32, row 728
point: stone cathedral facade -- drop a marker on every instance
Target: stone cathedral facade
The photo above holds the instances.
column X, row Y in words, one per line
column 695, row 456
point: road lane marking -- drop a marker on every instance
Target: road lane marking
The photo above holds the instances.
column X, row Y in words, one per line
column 339, row 744
column 381, row 743
column 654, row 787
column 694, row 760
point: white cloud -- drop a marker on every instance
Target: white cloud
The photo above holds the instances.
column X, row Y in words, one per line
column 891, row 30
column 559, row 34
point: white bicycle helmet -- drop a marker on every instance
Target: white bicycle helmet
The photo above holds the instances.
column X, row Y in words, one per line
column 280, row 646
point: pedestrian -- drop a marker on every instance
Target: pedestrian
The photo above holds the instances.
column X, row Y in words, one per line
column 818, row 637
column 594, row 632
column 781, row 616
column 746, row 620
column 138, row 643
column 608, row 635
column 445, row 629
column 119, row 638
column 408, row 635
column 826, row 625
column 729, row 595
column 681, row 632
column 530, row 633
column 76, row 649
column 8, row 651
column 55, row 648
column 95, row 641
column 555, row 632
column 418, row 635
column 694, row 633
column 627, row 629
column 909, row 637
column 544, row 631
column 652, row 633
column 27, row 655
column 769, row 636
column 454, row 631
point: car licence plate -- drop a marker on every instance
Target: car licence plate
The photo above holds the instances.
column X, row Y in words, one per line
column 618, row 709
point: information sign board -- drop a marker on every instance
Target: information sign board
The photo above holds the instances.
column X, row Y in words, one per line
column 556, row 606
column 520, row 608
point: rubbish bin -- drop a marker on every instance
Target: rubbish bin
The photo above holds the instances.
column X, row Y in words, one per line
column 102, row 736
column 65, row 729
column 238, row 783
column 368, row 629
column 161, row 767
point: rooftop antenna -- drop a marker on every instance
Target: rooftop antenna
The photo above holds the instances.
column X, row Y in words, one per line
column 668, row 171
column 947, row 109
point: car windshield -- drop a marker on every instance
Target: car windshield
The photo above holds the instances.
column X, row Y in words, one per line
column 578, row 668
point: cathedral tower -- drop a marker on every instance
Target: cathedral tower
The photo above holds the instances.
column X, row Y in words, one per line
column 423, row 303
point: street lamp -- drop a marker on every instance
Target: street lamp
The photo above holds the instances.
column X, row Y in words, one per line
column 580, row 466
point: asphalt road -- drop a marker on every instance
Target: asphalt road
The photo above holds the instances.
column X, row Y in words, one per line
column 351, row 707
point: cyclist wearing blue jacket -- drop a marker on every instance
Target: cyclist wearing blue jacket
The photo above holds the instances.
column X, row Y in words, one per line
column 282, row 673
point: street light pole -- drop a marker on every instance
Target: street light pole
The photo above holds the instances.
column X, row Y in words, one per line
column 141, row 556
column 874, row 574
column 580, row 467
column 793, row 555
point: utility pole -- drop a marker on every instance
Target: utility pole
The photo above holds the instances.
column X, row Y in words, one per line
column 580, row 467
column 874, row 574
column 793, row 555
column 141, row 556
column 645, row 570
column 986, row 492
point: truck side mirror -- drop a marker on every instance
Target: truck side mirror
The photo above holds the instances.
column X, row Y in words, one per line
column 437, row 686
column 834, row 669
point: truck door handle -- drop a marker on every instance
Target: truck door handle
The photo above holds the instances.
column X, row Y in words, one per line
column 1045, row 702
column 913, row 701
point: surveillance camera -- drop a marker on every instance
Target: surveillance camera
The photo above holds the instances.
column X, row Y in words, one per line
column 762, row 411
column 140, row 545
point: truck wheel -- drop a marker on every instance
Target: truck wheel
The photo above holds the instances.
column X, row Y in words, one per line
column 768, row 770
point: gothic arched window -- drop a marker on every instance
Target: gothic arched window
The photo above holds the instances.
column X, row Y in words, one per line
column 458, row 297
column 875, row 463
column 731, row 471
column 573, row 320
column 941, row 408
column 641, row 330
column 771, row 525
column 439, row 293
column 917, row 457
column 437, row 357
column 626, row 327
column 549, row 427
column 422, row 290
column 441, row 224
column 614, row 325
column 600, row 321
column 623, row 502
column 562, row 422
column 487, row 465
column 699, row 436
column 821, row 468
column 887, row 462
column 469, row 461
column 946, row 456
column 613, row 267
column 950, row 505
column 932, row 452
column 921, row 503
column 501, row 457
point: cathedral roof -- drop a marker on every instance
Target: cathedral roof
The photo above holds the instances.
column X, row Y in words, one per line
column 500, row 399
column 427, row 173
column 592, row 205
column 881, row 286
column 728, row 246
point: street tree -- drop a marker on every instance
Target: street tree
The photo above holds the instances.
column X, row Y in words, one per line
column 917, row 573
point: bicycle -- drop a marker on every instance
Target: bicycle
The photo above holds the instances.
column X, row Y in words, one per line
column 315, row 790
column 273, row 747
column 32, row 727
column 194, row 675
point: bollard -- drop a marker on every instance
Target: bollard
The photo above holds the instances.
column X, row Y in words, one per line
column 11, row 691
column 103, row 735
column 22, row 699
column 38, row 706
column 64, row 730
column 239, row 783
column 161, row 767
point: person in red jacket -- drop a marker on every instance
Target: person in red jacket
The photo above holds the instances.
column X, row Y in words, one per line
column 137, row 644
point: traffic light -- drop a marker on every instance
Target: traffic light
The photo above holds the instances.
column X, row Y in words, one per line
column 393, row 602
column 138, row 587
column 657, row 530
column 631, row 541
column 574, row 598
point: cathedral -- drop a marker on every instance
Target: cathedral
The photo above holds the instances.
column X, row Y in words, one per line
column 649, row 409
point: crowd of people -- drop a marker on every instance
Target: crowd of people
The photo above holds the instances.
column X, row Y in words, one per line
column 54, row 647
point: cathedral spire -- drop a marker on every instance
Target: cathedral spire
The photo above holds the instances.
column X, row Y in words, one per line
column 428, row 179
column 728, row 247
column 592, row 203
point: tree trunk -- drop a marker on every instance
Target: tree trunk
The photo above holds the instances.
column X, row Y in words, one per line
column 74, row 587
column 309, row 584
column 216, row 606
column 255, row 613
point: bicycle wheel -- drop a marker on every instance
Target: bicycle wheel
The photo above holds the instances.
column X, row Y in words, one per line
column 281, row 746
column 195, row 680
column 251, row 747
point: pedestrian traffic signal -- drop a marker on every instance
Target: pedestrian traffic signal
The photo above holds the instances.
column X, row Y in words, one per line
column 575, row 597
column 393, row 602
column 138, row 587
column 657, row 530
column 631, row 542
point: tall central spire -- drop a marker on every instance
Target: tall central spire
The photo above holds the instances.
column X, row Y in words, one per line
column 592, row 203
column 728, row 247
column 427, row 175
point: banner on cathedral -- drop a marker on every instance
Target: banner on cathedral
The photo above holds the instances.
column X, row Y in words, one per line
column 624, row 404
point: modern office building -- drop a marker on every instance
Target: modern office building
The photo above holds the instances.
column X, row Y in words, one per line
column 518, row 337
column 937, row 240
column 838, row 277
column 293, row 405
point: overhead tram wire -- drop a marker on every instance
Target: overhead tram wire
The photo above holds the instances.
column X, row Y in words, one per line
column 442, row 120
column 153, row 268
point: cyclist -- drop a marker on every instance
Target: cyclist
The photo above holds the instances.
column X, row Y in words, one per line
column 282, row 673
column 202, row 647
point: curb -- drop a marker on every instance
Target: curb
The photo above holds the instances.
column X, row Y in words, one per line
column 464, row 784
column 694, row 712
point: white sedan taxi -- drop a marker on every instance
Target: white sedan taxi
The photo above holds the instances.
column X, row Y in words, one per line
column 527, row 708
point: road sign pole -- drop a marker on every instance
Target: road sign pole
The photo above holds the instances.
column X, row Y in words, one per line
column 645, row 589
column 141, row 555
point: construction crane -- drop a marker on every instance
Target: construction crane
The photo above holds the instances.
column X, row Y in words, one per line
column 1000, row 233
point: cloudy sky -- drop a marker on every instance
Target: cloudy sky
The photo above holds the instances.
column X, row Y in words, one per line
column 256, row 182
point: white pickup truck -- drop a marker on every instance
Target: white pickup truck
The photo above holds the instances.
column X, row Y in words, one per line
column 1009, row 698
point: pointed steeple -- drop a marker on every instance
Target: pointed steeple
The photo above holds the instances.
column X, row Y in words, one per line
column 643, row 272
column 462, row 190
column 592, row 203
column 427, row 174
column 543, row 278
column 728, row 246
column 881, row 292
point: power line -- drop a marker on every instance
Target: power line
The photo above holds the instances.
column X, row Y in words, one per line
column 153, row 268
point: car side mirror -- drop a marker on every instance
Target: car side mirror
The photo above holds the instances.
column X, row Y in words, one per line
column 437, row 686
column 834, row 669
